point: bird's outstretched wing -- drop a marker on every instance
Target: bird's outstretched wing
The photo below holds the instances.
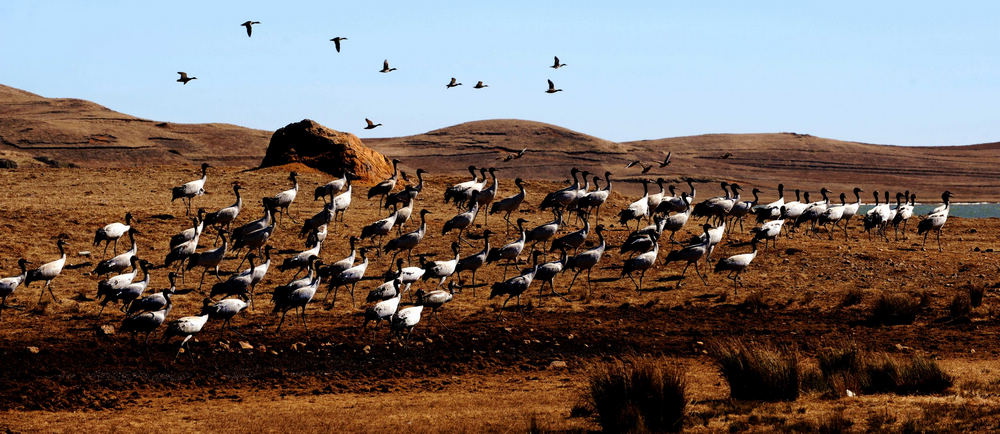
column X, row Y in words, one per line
column 632, row 163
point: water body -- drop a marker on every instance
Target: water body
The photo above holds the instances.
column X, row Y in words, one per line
column 964, row 210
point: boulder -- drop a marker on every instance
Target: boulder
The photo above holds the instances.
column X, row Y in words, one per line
column 327, row 150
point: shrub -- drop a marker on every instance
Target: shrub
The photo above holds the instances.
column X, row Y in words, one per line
column 7, row 164
column 852, row 297
column 757, row 372
column 895, row 308
column 836, row 423
column 976, row 295
column 960, row 306
column 638, row 395
column 755, row 302
column 847, row 367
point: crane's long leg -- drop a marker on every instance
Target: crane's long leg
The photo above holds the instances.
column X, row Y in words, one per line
column 938, row 238
column 283, row 313
column 303, row 317
column 570, row 289
column 922, row 246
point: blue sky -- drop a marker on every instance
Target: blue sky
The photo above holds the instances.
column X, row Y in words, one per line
column 910, row 73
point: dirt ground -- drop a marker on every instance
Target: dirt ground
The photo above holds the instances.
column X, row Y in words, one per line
column 475, row 372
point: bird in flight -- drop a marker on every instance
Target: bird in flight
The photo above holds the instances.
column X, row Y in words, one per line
column 453, row 83
column 726, row 155
column 557, row 65
column 249, row 26
column 385, row 66
column 552, row 88
column 480, row 85
column 666, row 160
column 510, row 157
column 184, row 77
column 633, row 163
column 371, row 125
column 336, row 42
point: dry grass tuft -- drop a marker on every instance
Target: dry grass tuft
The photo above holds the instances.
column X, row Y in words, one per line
column 852, row 296
column 638, row 395
column 848, row 367
column 755, row 302
column 960, row 307
column 976, row 295
column 894, row 309
column 757, row 372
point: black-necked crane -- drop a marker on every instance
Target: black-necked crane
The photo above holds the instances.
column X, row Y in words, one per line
column 462, row 197
column 509, row 251
column 384, row 291
column 182, row 253
column 851, row 209
column 461, row 222
column 298, row 298
column 385, row 67
column 113, row 232
column 442, row 269
column 676, row 203
column 249, row 25
column 408, row 240
column 573, row 240
column 314, row 270
column 317, row 235
column 225, row 310
column 9, row 284
column 771, row 210
column 834, row 214
column 769, row 230
column 436, row 299
column 382, row 310
column 544, row 231
column 407, row 275
column 509, row 204
column 341, row 202
column 336, row 42
column 794, row 209
column 935, row 221
column 454, row 192
column 118, row 263
column 191, row 189
column 562, row 197
column 514, row 156
column 742, row 208
column 642, row 240
column 453, row 83
column 641, row 262
column 654, row 199
column 184, row 79
column 224, row 217
column 596, row 198
column 323, row 217
column 189, row 233
column 485, row 196
column 903, row 214
column 187, row 327
column 713, row 206
column 385, row 187
column 281, row 201
column 149, row 317
column 474, row 262
column 515, row 286
column 48, row 271
column 638, row 209
column 253, row 226
column 894, row 210
column 237, row 284
column 405, row 319
column 331, row 188
column 552, row 88
column 876, row 217
column 691, row 254
column 547, row 272
column 209, row 259
column 154, row 302
column 714, row 235
column 587, row 259
column 336, row 268
column 556, row 64
column 379, row 229
column 407, row 194
column 737, row 264
column 134, row 290
column 301, row 259
column 402, row 216
column 254, row 241
column 349, row 277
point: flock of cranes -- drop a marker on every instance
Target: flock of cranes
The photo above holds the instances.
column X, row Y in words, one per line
column 553, row 247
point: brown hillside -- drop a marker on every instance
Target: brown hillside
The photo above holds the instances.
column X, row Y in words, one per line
column 87, row 134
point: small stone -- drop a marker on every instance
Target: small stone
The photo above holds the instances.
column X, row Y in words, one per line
column 274, row 353
column 367, row 349
column 298, row 346
column 83, row 253
column 34, row 350
column 850, row 394
column 508, row 329
column 557, row 364
column 106, row 330
column 246, row 345
column 262, row 349
column 570, row 336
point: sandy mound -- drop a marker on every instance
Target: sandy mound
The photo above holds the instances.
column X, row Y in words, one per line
column 322, row 148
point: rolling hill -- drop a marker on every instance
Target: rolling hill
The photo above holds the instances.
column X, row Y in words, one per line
column 87, row 134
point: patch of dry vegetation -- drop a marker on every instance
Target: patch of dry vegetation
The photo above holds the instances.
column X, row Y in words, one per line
column 639, row 394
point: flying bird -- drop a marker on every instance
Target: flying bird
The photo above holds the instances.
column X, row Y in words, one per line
column 480, row 85
column 633, row 163
column 336, row 42
column 552, row 88
column 557, row 65
column 385, row 66
column 453, row 83
column 184, row 77
column 666, row 160
column 520, row 154
column 249, row 26
column 371, row 125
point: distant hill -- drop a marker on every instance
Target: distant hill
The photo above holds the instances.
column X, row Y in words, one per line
column 90, row 135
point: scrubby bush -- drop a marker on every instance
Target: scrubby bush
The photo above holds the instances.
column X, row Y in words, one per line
column 847, row 367
column 895, row 308
column 638, row 395
column 960, row 306
column 976, row 295
column 757, row 372
column 852, row 296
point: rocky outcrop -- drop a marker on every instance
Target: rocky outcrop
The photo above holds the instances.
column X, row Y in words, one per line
column 324, row 149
